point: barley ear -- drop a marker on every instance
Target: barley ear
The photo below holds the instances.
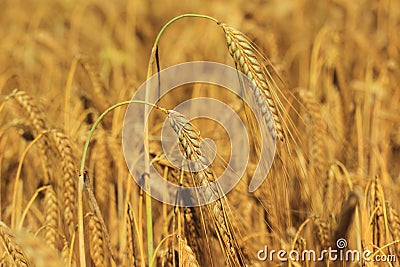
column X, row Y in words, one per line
column 14, row 250
column 248, row 60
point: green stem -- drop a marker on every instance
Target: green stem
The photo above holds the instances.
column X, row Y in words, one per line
column 149, row 216
column 100, row 118
column 178, row 18
column 81, row 182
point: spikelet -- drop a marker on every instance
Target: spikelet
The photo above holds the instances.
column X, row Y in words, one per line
column 65, row 254
column 51, row 218
column 96, row 242
column 323, row 231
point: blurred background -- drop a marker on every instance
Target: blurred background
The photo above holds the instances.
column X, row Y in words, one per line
column 73, row 59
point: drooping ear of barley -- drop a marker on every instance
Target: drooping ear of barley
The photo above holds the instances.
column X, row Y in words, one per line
column 96, row 247
column 250, row 61
column 186, row 256
column 189, row 138
column 68, row 164
column 51, row 218
column 14, row 250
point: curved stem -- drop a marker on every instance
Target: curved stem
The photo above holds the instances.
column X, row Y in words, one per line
column 149, row 218
column 153, row 50
column 81, row 182
column 153, row 259
column 100, row 118
column 18, row 175
column 178, row 18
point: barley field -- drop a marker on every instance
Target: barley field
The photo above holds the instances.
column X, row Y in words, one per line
column 326, row 78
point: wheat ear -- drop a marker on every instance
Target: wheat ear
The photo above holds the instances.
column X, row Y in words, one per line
column 189, row 138
column 186, row 256
column 64, row 148
column 28, row 104
column 249, row 60
column 13, row 249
